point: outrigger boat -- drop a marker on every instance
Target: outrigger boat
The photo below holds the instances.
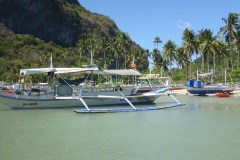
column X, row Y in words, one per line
column 206, row 89
column 196, row 87
column 67, row 95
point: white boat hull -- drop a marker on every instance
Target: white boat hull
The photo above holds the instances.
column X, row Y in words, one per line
column 49, row 101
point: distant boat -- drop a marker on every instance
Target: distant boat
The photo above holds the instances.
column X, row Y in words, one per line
column 197, row 88
column 224, row 94
column 207, row 91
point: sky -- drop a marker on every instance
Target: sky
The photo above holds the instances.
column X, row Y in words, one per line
column 144, row 20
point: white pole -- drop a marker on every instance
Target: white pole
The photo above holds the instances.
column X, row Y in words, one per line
column 51, row 64
column 225, row 76
column 83, row 102
column 197, row 74
column 174, row 98
column 91, row 57
column 125, row 98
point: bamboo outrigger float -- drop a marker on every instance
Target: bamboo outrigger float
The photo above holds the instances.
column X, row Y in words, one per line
column 133, row 109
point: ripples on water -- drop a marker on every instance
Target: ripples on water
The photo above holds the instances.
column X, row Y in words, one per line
column 207, row 128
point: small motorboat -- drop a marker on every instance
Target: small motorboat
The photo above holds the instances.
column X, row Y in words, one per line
column 222, row 94
column 8, row 91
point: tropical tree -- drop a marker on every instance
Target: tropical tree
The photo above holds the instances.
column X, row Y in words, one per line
column 169, row 50
column 157, row 58
column 217, row 50
column 82, row 49
column 117, row 46
column 205, row 47
column 140, row 55
column 189, row 45
column 181, row 58
column 93, row 45
column 157, row 41
column 229, row 31
column 125, row 42
column 114, row 50
column 237, row 44
column 102, row 52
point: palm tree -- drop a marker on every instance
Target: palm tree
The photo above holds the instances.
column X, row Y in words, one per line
column 125, row 42
column 204, row 41
column 237, row 44
column 169, row 50
column 229, row 31
column 103, row 49
column 217, row 50
column 115, row 49
column 82, row 49
column 181, row 58
column 219, row 54
column 189, row 45
column 118, row 46
column 148, row 53
column 90, row 44
column 157, row 58
column 157, row 41
column 139, row 56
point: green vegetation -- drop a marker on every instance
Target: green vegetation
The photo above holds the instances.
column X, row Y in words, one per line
column 213, row 53
column 19, row 51
column 71, row 33
column 65, row 29
column 23, row 51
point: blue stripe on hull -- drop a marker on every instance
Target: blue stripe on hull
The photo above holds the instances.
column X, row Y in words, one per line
column 205, row 91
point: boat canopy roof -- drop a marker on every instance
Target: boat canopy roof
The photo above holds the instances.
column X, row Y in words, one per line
column 24, row 72
column 94, row 70
column 121, row 72
column 206, row 74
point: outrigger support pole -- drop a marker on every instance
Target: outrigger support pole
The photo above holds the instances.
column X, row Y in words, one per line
column 81, row 99
column 83, row 102
column 80, row 94
column 174, row 98
column 127, row 100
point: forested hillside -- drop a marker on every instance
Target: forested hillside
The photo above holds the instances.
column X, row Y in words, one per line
column 32, row 30
column 60, row 21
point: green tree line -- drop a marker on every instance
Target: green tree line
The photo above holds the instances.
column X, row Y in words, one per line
column 201, row 51
column 18, row 51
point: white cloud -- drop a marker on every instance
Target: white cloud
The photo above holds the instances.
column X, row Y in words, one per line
column 183, row 25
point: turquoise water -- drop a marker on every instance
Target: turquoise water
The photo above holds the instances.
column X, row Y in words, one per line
column 207, row 128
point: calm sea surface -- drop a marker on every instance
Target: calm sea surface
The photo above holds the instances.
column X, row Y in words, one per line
column 207, row 128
